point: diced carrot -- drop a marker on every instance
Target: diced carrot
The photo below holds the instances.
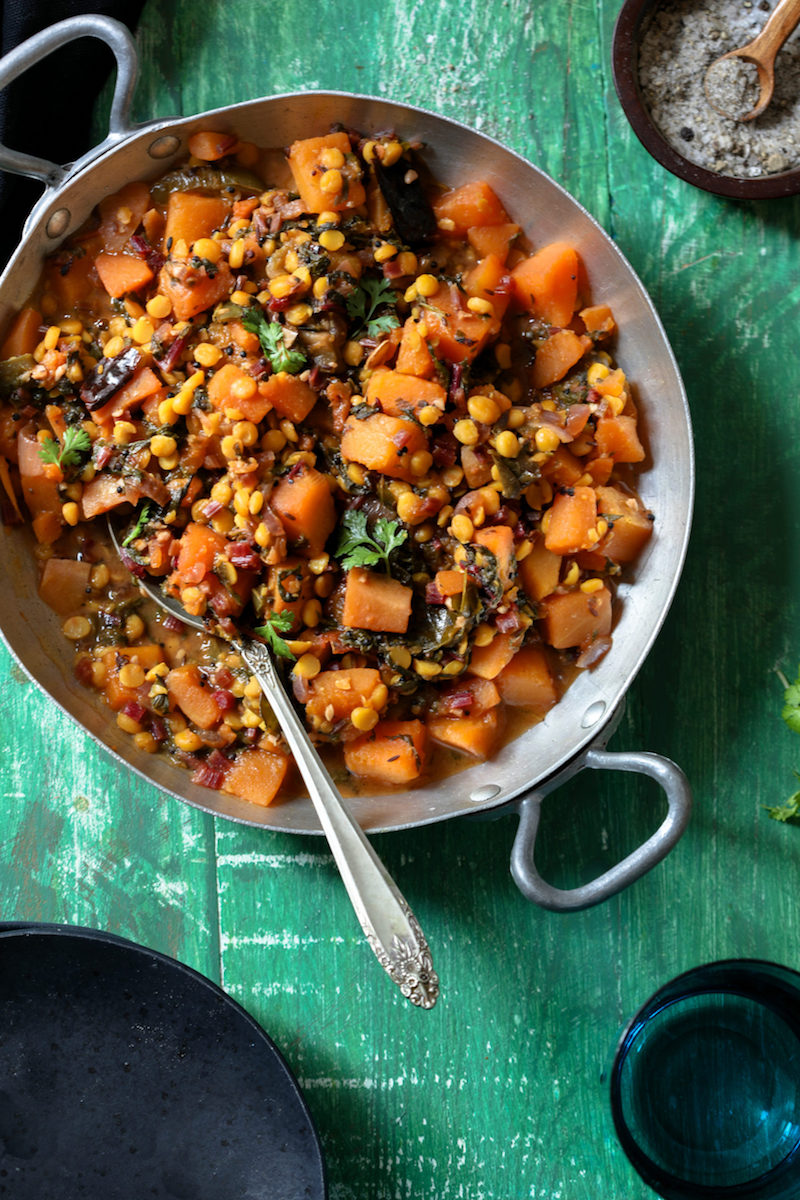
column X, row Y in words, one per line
column 210, row 145
column 527, row 681
column 23, row 336
column 477, row 736
column 65, row 584
column 471, row 204
column 193, row 696
column 598, row 318
column 305, row 505
column 573, row 521
column 630, row 526
column 288, row 395
column 193, row 215
column 377, row 602
column 256, row 775
column 488, row 280
column 191, row 290
column 546, row 284
column 307, row 161
column 231, row 387
column 122, row 273
column 394, row 752
column 562, row 468
column 539, row 571
column 617, row 438
column 397, row 393
column 199, row 547
column 122, row 213
column 144, row 383
column 488, row 661
column 335, row 694
column 105, row 492
column 499, row 541
column 556, row 355
column 455, row 333
column 383, row 443
column 413, row 355
column 492, row 239
column 575, row 618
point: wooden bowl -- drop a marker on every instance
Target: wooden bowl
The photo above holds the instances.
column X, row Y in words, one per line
column 625, row 68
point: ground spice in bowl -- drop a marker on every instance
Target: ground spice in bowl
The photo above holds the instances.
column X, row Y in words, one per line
column 661, row 53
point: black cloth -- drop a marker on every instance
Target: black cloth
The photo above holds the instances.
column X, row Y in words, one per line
column 48, row 110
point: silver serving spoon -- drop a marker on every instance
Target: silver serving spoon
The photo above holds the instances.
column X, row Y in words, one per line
column 761, row 53
column 390, row 926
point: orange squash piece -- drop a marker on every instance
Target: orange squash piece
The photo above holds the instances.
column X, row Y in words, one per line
column 210, row 146
column 231, row 387
column 488, row 280
column 471, row 204
column 556, row 355
column 527, row 681
column 122, row 273
column 376, row 602
column 335, row 694
column 575, row 618
column 539, row 571
column 23, row 336
column 383, row 443
column 199, row 547
column 396, row 393
column 288, row 395
column 478, row 736
column 192, row 696
column 492, row 239
column 193, row 215
column 256, row 775
column 499, row 541
column 305, row 505
column 573, row 521
column 630, row 526
column 546, row 284
column 488, row 661
column 455, row 333
column 617, row 438
column 308, row 161
column 64, row 585
column 413, row 355
column 122, row 213
column 394, row 752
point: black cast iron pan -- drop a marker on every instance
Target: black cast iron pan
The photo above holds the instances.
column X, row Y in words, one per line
column 125, row 1075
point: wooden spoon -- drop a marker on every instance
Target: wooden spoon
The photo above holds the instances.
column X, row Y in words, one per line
column 761, row 53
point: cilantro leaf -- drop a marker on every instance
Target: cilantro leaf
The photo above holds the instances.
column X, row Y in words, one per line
column 67, row 453
column 270, row 335
column 363, row 303
column 142, row 519
column 789, row 811
column 358, row 548
column 276, row 624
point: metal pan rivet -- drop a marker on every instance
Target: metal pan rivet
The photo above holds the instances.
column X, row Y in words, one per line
column 482, row 795
column 593, row 714
column 57, row 222
column 164, row 146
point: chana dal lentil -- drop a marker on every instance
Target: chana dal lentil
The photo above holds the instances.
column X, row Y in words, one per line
column 344, row 409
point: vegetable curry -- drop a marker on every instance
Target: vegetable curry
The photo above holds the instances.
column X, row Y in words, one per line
column 351, row 412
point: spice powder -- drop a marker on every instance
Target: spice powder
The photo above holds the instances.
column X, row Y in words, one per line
column 680, row 41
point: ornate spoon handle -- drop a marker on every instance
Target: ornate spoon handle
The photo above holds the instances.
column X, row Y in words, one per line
column 388, row 923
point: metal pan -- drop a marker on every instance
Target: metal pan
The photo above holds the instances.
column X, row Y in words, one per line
column 124, row 1074
column 574, row 733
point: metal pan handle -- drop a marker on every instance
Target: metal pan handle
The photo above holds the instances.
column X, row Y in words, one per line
column 679, row 799
column 118, row 38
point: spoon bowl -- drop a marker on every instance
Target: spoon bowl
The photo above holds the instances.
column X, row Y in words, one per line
column 391, row 929
column 729, row 91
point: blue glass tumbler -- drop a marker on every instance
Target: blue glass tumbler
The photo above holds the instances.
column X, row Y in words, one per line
column 705, row 1084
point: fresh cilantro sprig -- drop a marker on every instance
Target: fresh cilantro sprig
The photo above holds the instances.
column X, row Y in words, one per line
column 789, row 811
column 363, row 304
column 358, row 548
column 274, row 626
column 141, row 521
column 270, row 335
column 67, row 453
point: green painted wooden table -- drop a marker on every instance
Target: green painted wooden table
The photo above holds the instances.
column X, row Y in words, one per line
column 499, row 1091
